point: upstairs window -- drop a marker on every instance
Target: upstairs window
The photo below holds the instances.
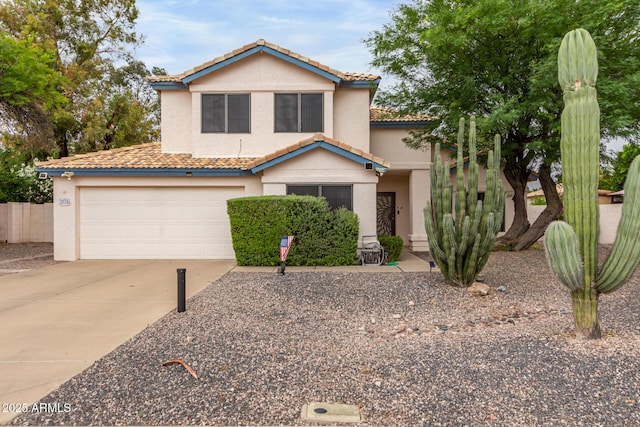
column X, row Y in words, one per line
column 226, row 113
column 299, row 112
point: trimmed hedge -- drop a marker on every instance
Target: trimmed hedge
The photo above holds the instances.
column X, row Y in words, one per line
column 322, row 236
column 393, row 245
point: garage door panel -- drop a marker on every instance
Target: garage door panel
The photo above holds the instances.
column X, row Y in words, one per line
column 145, row 222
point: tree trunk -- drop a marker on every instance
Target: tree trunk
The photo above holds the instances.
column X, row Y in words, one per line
column 550, row 213
column 517, row 178
column 585, row 313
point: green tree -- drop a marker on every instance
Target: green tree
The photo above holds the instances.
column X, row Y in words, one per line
column 497, row 59
column 613, row 179
column 29, row 89
column 89, row 39
column 19, row 182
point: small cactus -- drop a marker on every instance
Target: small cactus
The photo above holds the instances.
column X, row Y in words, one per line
column 571, row 247
column 460, row 240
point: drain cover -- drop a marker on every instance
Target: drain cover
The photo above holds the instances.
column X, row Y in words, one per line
column 330, row 413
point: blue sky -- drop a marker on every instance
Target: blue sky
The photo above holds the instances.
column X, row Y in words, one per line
column 180, row 34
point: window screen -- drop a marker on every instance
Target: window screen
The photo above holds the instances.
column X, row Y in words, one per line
column 286, row 112
column 229, row 113
column 239, row 108
column 299, row 112
column 213, row 113
column 311, row 111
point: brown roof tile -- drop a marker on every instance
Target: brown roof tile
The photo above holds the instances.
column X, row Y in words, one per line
column 315, row 138
column 380, row 114
column 144, row 156
column 261, row 42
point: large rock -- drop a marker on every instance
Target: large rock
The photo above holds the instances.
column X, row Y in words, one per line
column 478, row 289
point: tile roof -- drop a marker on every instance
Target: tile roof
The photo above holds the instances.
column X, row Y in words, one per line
column 143, row 156
column 381, row 114
column 342, row 75
column 317, row 137
column 149, row 156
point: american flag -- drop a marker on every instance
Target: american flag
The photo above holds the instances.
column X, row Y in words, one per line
column 285, row 244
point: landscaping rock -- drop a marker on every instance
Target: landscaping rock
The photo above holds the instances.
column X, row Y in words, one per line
column 478, row 289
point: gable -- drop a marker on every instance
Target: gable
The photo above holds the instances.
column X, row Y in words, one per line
column 342, row 79
column 319, row 141
column 261, row 72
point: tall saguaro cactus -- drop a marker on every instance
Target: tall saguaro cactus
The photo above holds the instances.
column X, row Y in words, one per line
column 460, row 240
column 571, row 247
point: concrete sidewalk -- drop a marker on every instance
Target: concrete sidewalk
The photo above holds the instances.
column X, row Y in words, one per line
column 409, row 263
column 57, row 320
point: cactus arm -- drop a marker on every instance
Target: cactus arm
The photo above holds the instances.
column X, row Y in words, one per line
column 472, row 197
column 561, row 246
column 460, row 189
column 580, row 142
column 470, row 269
column 434, row 246
column 624, row 257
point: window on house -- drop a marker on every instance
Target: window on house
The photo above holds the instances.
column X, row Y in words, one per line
column 336, row 195
column 299, row 112
column 226, row 113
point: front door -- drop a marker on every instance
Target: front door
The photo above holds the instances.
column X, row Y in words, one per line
column 386, row 214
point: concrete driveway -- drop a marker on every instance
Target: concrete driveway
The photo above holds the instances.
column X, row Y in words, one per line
column 56, row 321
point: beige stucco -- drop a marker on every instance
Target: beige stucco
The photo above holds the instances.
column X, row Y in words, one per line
column 351, row 117
column 388, row 144
column 261, row 76
column 175, row 109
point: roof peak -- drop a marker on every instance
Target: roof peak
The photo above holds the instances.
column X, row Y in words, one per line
column 261, row 45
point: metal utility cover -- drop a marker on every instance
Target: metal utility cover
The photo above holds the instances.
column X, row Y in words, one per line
column 330, row 413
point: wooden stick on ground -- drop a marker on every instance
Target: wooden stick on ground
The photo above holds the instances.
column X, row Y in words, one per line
column 182, row 362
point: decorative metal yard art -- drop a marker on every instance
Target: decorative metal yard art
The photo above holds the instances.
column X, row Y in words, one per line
column 460, row 240
column 571, row 246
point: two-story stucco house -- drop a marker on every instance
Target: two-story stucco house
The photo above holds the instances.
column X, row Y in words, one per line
column 257, row 121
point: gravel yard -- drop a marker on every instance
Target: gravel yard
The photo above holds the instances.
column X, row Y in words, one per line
column 16, row 257
column 403, row 347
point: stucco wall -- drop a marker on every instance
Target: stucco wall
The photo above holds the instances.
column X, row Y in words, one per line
column 388, row 144
column 262, row 76
column 346, row 111
column 351, row 122
column 609, row 219
column 176, row 121
column 26, row 222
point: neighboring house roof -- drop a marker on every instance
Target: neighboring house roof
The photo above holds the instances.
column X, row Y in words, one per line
column 144, row 159
column 344, row 79
column 381, row 117
column 318, row 140
column 148, row 160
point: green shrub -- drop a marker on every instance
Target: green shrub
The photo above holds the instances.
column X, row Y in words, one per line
column 393, row 245
column 322, row 237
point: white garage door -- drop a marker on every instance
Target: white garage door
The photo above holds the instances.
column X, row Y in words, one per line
column 156, row 222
